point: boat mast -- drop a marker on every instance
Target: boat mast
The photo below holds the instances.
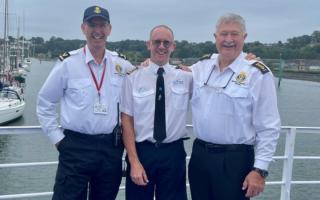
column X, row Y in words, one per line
column 5, row 37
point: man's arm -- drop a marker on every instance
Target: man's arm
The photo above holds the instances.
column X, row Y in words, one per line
column 137, row 173
column 48, row 98
column 266, row 121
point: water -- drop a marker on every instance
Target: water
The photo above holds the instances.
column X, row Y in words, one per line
column 298, row 105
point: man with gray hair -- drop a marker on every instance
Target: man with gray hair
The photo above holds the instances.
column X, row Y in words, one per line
column 235, row 119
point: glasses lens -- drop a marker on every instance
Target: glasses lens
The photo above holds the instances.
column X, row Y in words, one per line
column 165, row 43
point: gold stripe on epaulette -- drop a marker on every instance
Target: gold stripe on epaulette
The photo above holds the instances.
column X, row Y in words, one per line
column 261, row 66
column 64, row 56
column 205, row 57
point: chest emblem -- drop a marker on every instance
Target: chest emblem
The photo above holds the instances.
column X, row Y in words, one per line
column 118, row 68
column 241, row 78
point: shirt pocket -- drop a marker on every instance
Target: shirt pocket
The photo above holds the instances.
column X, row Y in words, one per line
column 79, row 91
column 116, row 86
column 237, row 101
column 144, row 101
column 180, row 97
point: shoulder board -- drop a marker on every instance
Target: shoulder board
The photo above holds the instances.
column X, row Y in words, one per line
column 114, row 53
column 64, row 56
column 205, row 57
column 122, row 56
column 130, row 71
column 261, row 66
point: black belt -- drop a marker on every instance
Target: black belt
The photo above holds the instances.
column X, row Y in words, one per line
column 223, row 147
column 84, row 135
column 157, row 144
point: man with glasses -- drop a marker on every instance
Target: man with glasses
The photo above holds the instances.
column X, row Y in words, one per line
column 154, row 105
column 87, row 83
column 235, row 119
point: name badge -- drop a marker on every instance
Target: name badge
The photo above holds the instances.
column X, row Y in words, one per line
column 101, row 109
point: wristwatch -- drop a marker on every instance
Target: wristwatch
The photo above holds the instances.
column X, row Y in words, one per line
column 263, row 173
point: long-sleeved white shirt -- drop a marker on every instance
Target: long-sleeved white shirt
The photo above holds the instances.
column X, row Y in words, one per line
column 236, row 106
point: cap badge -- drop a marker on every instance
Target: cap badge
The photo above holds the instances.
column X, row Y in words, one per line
column 97, row 10
column 240, row 79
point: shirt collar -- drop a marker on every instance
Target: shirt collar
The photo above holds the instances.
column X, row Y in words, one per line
column 154, row 67
column 89, row 58
column 235, row 66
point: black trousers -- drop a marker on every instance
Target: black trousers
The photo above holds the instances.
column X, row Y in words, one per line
column 217, row 172
column 88, row 160
column 165, row 166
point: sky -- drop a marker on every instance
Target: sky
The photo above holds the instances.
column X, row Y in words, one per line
column 267, row 21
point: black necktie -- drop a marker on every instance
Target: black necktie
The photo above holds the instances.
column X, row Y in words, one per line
column 159, row 131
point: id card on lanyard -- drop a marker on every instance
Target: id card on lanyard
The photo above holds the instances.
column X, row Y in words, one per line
column 98, row 107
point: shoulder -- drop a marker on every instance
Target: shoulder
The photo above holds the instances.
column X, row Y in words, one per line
column 260, row 66
column 133, row 70
column 64, row 56
column 117, row 55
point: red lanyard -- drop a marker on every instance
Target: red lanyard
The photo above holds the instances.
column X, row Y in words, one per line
column 98, row 87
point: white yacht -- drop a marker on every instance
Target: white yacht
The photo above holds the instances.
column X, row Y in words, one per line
column 11, row 105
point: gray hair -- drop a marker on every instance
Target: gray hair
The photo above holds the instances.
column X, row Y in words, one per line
column 161, row 26
column 231, row 17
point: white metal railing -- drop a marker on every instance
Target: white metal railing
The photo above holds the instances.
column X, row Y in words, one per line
column 287, row 158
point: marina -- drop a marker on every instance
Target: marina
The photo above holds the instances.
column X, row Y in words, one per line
column 298, row 105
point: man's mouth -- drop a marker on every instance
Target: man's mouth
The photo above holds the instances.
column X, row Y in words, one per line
column 229, row 44
column 97, row 36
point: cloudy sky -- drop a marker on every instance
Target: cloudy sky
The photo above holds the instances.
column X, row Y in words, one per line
column 193, row 20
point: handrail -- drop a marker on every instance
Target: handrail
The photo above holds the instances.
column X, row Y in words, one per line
column 285, row 182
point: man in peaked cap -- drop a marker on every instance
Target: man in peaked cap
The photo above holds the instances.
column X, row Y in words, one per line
column 87, row 83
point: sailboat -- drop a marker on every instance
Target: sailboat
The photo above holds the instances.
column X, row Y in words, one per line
column 12, row 103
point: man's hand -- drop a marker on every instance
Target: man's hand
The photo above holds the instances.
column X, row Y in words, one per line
column 251, row 56
column 57, row 144
column 137, row 174
column 145, row 63
column 184, row 68
column 254, row 184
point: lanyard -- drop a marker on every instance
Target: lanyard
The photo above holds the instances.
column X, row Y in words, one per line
column 98, row 86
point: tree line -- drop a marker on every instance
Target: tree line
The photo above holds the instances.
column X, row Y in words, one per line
column 301, row 47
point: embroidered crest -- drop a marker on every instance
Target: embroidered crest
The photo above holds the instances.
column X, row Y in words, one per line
column 241, row 78
column 118, row 68
column 178, row 82
column 97, row 10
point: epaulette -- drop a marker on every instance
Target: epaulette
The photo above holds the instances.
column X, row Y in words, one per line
column 205, row 57
column 122, row 56
column 132, row 70
column 64, row 56
column 261, row 66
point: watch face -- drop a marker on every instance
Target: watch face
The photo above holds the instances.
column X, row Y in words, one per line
column 263, row 173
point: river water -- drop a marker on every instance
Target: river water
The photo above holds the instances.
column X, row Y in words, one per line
column 298, row 104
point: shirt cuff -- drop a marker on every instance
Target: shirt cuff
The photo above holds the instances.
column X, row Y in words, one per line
column 126, row 111
column 56, row 136
column 261, row 164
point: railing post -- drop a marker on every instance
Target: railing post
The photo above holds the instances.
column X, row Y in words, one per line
column 288, row 164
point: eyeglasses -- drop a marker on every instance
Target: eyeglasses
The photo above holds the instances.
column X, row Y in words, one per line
column 165, row 43
column 216, row 87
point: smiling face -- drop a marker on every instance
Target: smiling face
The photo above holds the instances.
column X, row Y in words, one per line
column 96, row 31
column 161, row 45
column 230, row 39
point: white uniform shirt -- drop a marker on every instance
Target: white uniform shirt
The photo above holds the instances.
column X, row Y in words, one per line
column 138, row 101
column 245, row 112
column 70, row 83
